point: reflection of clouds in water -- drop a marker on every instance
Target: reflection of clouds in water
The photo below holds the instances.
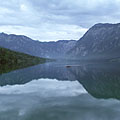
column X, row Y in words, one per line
column 61, row 99
column 20, row 100
column 18, row 103
column 22, row 112
column 46, row 88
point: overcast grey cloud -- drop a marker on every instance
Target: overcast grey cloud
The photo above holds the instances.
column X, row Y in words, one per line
column 49, row 20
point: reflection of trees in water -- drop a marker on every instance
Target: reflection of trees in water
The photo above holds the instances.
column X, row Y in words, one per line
column 5, row 68
column 25, row 75
column 101, row 81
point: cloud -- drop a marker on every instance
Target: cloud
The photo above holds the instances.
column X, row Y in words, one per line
column 46, row 32
column 49, row 20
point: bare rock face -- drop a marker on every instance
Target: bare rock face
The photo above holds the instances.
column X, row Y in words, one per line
column 25, row 44
column 100, row 41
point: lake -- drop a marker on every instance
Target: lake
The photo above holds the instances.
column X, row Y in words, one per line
column 52, row 91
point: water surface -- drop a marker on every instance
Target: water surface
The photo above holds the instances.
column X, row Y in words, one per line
column 51, row 91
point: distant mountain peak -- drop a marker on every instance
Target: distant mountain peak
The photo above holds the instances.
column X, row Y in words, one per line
column 2, row 33
column 98, row 25
column 100, row 41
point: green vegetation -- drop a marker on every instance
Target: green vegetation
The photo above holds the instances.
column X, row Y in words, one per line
column 11, row 60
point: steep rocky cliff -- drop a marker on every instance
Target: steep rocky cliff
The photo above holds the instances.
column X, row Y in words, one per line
column 100, row 41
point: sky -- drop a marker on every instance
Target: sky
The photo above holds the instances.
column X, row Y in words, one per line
column 52, row 20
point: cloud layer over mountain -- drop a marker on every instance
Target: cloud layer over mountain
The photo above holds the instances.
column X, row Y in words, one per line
column 49, row 20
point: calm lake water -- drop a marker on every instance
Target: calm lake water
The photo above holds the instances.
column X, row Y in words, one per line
column 51, row 91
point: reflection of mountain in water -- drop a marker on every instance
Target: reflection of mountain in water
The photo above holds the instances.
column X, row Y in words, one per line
column 101, row 81
column 48, row 70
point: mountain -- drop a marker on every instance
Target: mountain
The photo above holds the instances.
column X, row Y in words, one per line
column 100, row 41
column 11, row 60
column 26, row 45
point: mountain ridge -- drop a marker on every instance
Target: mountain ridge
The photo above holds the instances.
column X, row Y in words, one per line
column 100, row 41
column 26, row 45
